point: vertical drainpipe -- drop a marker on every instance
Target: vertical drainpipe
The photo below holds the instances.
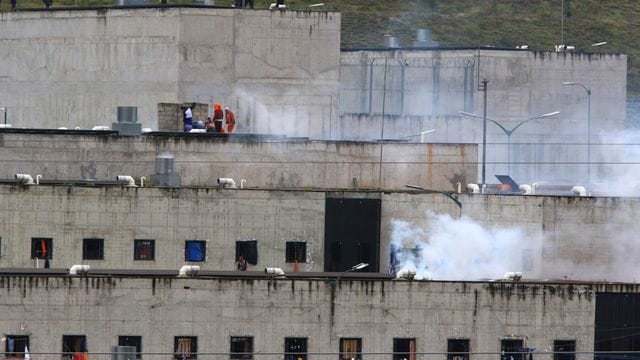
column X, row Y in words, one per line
column 371, row 86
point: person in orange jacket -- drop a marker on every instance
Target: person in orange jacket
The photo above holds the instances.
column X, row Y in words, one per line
column 218, row 115
column 230, row 118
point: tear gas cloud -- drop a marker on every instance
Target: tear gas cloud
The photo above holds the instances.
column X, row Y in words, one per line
column 457, row 249
column 462, row 249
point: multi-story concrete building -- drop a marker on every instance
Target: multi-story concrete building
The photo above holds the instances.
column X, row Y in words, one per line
column 88, row 262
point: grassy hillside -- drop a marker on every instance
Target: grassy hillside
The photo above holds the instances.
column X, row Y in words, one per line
column 472, row 22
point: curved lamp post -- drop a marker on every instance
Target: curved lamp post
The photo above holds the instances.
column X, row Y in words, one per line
column 353, row 268
column 510, row 132
column 588, row 126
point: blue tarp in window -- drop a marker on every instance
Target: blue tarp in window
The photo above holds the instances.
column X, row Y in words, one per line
column 195, row 251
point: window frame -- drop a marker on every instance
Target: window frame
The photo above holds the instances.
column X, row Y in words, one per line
column 346, row 355
column 122, row 341
column 248, row 347
column 193, row 348
column 48, row 242
column 24, row 342
column 289, row 342
column 406, row 355
column 511, row 354
column 454, row 354
column 138, row 244
column 86, row 242
column 248, row 249
column 559, row 353
column 296, row 251
column 204, row 252
column 67, row 339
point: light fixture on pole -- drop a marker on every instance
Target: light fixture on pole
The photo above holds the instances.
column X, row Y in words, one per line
column 353, row 268
column 510, row 132
column 588, row 126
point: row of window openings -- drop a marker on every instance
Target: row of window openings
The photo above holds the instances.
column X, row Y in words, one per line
column 194, row 250
column 186, row 347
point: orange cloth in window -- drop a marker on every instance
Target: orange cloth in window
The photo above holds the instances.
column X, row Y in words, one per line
column 231, row 120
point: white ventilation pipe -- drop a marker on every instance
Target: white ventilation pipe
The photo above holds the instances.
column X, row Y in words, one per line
column 125, row 180
column 579, row 190
column 473, row 188
column 142, row 179
column 25, row 179
column 38, row 179
column 188, row 270
column 406, row 274
column 227, row 183
column 526, row 189
column 242, row 182
column 79, row 269
column 273, row 271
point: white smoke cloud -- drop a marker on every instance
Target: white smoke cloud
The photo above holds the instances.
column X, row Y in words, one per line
column 461, row 249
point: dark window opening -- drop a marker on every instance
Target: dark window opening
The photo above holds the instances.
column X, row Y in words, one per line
column 185, row 347
column 564, row 350
column 617, row 322
column 144, row 249
column 350, row 349
column 352, row 233
column 512, row 349
column 295, row 348
column 296, row 251
column 41, row 248
column 241, row 347
column 92, row 249
column 15, row 346
column 248, row 250
column 404, row 349
column 458, row 349
column 195, row 250
column 74, row 346
column 132, row 341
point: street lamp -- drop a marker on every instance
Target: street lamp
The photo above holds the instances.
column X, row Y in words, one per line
column 510, row 132
column 353, row 268
column 588, row 126
column 4, row 108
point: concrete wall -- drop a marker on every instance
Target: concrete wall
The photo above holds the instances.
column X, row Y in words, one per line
column 565, row 237
column 157, row 309
column 277, row 70
column 426, row 89
column 265, row 162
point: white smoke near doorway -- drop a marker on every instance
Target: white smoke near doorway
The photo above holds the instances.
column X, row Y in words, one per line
column 461, row 249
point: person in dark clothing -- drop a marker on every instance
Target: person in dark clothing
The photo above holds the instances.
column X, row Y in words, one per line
column 248, row 2
column 47, row 3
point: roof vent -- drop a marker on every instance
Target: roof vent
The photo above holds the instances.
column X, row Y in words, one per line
column 424, row 40
column 392, row 42
column 127, row 121
column 166, row 174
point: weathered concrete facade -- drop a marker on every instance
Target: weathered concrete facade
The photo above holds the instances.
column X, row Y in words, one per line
column 215, row 309
column 277, row 70
column 426, row 89
column 559, row 237
column 265, row 162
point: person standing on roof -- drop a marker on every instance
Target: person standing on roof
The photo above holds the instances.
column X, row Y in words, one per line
column 230, row 119
column 218, row 115
column 188, row 119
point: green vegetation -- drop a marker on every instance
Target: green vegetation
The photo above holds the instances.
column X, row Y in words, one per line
column 501, row 23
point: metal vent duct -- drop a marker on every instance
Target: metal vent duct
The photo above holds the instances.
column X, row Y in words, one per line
column 165, row 164
column 393, row 42
column 128, row 114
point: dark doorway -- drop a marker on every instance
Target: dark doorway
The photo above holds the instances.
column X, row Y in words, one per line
column 616, row 327
column 351, row 234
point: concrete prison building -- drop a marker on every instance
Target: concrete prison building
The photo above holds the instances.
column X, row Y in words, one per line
column 90, row 258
